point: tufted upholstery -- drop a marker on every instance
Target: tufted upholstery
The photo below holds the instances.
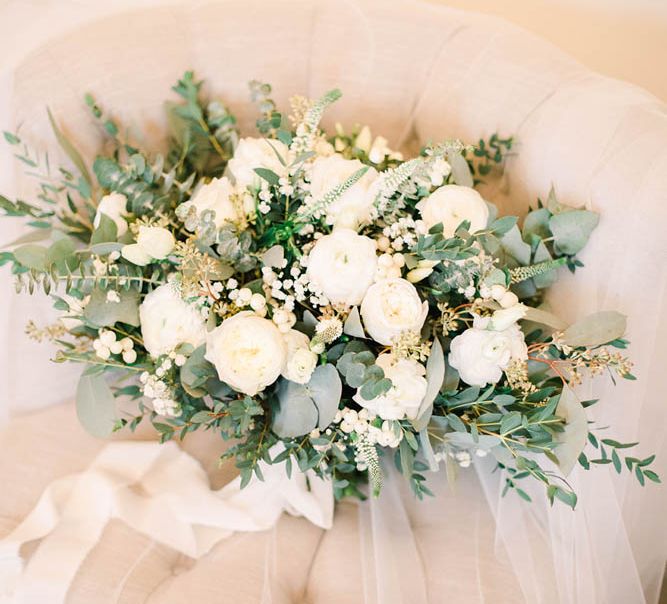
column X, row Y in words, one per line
column 413, row 73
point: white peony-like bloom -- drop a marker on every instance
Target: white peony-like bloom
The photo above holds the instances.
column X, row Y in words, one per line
column 342, row 265
column 167, row 321
column 248, row 352
column 254, row 153
column 216, row 196
column 408, row 389
column 113, row 206
column 353, row 208
column 390, row 307
column 153, row 243
column 301, row 361
column 481, row 354
column 451, row 205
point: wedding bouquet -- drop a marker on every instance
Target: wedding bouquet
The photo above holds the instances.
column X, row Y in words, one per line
column 317, row 299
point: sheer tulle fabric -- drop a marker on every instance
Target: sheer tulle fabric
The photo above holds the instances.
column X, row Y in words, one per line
column 414, row 73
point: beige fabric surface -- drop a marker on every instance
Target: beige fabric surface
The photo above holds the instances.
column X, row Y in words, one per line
column 307, row 564
column 413, row 73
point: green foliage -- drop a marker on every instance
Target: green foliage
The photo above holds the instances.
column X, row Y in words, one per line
column 95, row 404
column 304, row 407
column 357, row 366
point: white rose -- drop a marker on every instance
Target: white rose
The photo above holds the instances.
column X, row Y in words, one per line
column 301, row 361
column 113, row 206
column 153, row 243
column 167, row 321
column 253, row 153
column 408, row 389
column 342, row 265
column 249, row 352
column 353, row 207
column 392, row 306
column 216, row 196
column 451, row 205
column 481, row 355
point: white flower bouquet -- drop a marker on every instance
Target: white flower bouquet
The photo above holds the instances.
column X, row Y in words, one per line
column 318, row 300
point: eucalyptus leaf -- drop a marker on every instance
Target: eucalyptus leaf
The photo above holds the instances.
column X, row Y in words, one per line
column 571, row 230
column 435, row 375
column 297, row 414
column 573, row 438
column 100, row 313
column 543, row 317
column 71, row 151
column 353, row 326
column 325, row 388
column 460, row 170
column 95, row 405
column 274, row 256
column 32, row 256
column 596, row 329
column 513, row 245
column 107, row 231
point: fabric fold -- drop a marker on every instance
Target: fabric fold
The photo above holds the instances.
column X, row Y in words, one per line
column 158, row 490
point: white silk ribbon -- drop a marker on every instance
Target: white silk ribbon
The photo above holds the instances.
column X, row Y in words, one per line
column 158, row 490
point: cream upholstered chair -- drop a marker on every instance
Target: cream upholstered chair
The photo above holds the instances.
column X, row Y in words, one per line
column 413, row 72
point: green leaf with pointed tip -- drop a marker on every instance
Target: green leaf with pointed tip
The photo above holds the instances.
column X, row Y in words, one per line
column 325, row 388
column 571, row 230
column 435, row 375
column 573, row 438
column 297, row 414
column 101, row 313
column 32, row 256
column 71, row 151
column 596, row 329
column 106, row 232
column 96, row 405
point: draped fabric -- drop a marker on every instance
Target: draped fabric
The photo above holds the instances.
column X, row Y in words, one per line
column 413, row 72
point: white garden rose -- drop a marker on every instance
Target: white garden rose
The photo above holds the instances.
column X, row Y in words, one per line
column 301, row 361
column 390, row 307
column 216, row 196
column 342, row 265
column 451, row 205
column 408, row 389
column 113, row 206
column 167, row 321
column 153, row 243
column 481, row 354
column 248, row 352
column 156, row 241
column 353, row 208
column 252, row 153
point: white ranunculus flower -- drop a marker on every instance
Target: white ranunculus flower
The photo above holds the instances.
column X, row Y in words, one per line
column 451, row 205
column 248, row 352
column 114, row 206
column 342, row 265
column 167, row 321
column 301, row 361
column 405, row 396
column 390, row 307
column 253, row 153
column 481, row 355
column 158, row 242
column 353, row 207
column 217, row 196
